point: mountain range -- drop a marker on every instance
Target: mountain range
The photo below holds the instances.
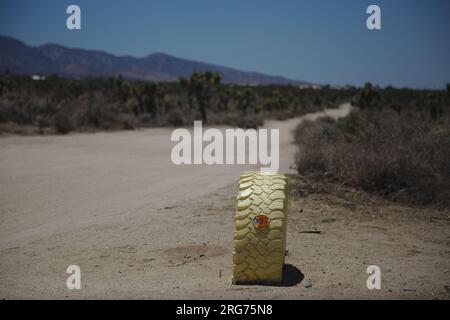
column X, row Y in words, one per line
column 19, row 58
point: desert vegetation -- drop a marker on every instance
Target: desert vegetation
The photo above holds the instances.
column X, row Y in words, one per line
column 396, row 143
column 61, row 105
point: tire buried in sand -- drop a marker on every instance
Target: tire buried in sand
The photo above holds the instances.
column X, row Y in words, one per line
column 260, row 234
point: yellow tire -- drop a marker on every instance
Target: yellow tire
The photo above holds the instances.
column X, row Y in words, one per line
column 260, row 235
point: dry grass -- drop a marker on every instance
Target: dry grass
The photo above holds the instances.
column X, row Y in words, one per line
column 398, row 157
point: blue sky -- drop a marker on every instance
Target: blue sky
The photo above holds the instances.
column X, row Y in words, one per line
column 324, row 41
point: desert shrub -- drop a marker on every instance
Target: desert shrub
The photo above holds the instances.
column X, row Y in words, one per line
column 251, row 121
column 133, row 106
column 145, row 118
column 175, row 118
column 43, row 122
column 17, row 112
column 314, row 139
column 63, row 123
column 101, row 116
column 128, row 122
column 379, row 152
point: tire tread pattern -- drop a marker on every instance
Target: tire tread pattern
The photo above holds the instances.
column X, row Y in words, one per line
column 258, row 255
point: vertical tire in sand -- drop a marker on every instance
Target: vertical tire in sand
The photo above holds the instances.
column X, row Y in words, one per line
column 260, row 234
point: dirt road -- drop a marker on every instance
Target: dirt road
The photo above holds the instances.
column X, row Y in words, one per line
column 141, row 227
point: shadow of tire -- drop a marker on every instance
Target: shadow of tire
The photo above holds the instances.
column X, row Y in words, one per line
column 291, row 276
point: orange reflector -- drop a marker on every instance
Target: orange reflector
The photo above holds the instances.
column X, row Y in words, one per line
column 260, row 221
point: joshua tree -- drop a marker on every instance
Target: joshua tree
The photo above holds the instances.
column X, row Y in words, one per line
column 224, row 98
column 367, row 97
column 244, row 99
column 201, row 85
column 277, row 101
column 146, row 94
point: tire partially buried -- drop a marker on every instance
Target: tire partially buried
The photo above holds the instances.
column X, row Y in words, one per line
column 260, row 235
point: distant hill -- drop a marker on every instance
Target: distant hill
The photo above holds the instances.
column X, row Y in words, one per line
column 20, row 58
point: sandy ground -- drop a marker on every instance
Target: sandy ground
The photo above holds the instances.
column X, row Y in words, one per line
column 141, row 227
